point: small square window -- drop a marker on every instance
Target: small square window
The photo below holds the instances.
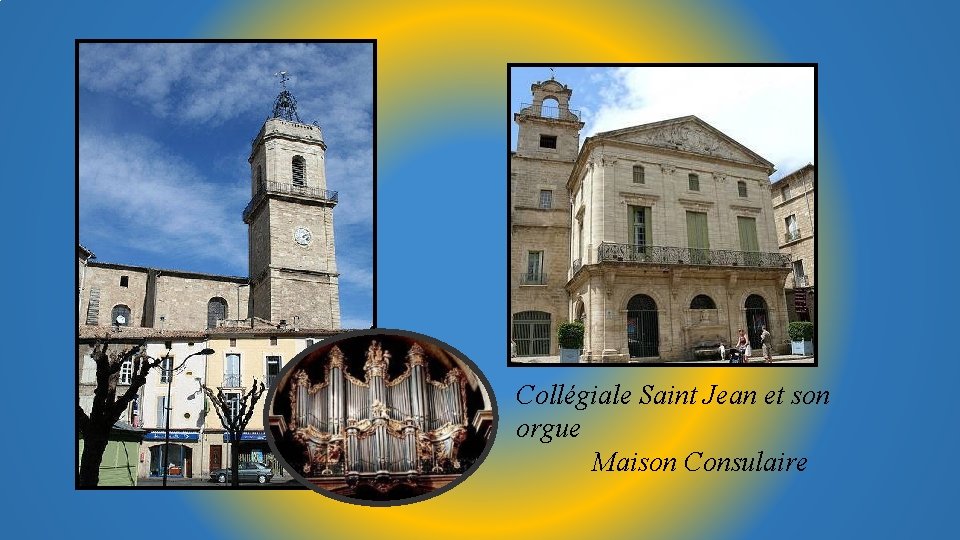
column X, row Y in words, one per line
column 694, row 182
column 546, row 198
column 309, row 343
column 548, row 141
column 124, row 281
column 742, row 188
column 233, row 342
column 273, row 340
column 638, row 174
column 168, row 345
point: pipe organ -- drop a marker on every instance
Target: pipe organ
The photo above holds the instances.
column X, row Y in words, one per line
column 378, row 427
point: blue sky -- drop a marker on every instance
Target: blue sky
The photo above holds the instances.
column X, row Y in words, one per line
column 770, row 110
column 165, row 133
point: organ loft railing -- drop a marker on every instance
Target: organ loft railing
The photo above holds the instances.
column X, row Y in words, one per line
column 406, row 426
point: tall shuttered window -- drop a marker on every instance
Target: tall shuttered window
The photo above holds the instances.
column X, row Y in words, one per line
column 698, row 238
column 299, row 166
column 748, row 240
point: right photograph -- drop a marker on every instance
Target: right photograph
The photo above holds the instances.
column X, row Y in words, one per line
column 662, row 215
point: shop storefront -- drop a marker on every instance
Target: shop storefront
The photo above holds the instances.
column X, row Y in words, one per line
column 254, row 447
column 178, row 460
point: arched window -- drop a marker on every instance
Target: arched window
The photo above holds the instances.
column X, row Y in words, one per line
column 531, row 333
column 702, row 301
column 643, row 328
column 120, row 315
column 299, row 166
column 216, row 311
column 756, row 312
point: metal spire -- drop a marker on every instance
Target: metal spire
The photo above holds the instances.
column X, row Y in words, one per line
column 285, row 105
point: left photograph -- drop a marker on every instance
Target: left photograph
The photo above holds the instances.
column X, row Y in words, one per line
column 224, row 224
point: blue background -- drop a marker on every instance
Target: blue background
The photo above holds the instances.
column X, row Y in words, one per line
column 888, row 115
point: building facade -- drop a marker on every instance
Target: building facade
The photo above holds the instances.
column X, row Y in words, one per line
column 254, row 324
column 672, row 243
column 794, row 207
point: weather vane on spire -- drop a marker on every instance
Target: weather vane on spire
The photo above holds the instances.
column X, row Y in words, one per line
column 553, row 75
column 285, row 105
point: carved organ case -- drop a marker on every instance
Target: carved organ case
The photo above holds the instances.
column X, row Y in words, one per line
column 379, row 427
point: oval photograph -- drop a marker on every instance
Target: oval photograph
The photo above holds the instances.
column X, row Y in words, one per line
column 381, row 417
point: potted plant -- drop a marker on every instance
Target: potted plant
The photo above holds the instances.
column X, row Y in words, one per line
column 570, row 337
column 801, row 337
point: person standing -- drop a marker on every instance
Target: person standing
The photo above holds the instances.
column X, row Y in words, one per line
column 742, row 345
column 765, row 341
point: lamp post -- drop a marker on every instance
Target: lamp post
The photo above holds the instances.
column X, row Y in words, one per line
column 166, row 442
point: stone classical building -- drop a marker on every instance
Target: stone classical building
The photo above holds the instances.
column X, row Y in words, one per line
column 671, row 235
column 794, row 207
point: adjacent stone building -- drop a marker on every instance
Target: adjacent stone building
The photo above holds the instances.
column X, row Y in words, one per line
column 547, row 145
column 794, row 207
column 672, row 243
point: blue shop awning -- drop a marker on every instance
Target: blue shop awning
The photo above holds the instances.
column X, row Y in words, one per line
column 248, row 436
column 174, row 436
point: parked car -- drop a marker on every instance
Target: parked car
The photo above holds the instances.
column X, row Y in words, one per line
column 249, row 472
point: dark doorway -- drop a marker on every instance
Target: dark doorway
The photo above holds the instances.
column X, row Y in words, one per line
column 756, row 311
column 643, row 334
column 216, row 457
column 531, row 333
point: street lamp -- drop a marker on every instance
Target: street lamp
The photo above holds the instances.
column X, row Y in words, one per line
column 166, row 443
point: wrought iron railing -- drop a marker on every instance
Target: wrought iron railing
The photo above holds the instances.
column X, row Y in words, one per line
column 231, row 380
column 791, row 236
column 528, row 278
column 577, row 263
column 269, row 186
column 271, row 380
column 547, row 111
column 800, row 281
column 694, row 256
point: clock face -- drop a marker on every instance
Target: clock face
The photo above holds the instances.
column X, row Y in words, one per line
column 302, row 235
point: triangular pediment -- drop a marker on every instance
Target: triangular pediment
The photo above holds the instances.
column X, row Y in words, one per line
column 687, row 134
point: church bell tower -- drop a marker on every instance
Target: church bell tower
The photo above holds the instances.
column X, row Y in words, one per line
column 292, row 261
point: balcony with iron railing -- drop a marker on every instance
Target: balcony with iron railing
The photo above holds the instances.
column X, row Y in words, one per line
column 531, row 278
column 231, row 380
column 550, row 112
column 630, row 253
column 791, row 236
column 269, row 187
column 800, row 282
column 577, row 263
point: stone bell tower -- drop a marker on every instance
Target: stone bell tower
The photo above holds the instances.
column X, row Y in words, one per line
column 292, row 260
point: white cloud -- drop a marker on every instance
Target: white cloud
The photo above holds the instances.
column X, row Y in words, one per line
column 136, row 194
column 767, row 109
column 213, row 83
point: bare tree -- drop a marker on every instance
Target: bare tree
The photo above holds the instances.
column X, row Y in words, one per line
column 107, row 406
column 235, row 414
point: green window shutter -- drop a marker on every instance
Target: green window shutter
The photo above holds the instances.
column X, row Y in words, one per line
column 631, row 224
column 697, row 234
column 647, row 226
column 748, row 234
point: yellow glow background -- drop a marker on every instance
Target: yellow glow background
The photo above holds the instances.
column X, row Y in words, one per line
column 432, row 58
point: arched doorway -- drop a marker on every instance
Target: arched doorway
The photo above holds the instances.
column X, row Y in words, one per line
column 756, row 311
column 531, row 333
column 643, row 334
